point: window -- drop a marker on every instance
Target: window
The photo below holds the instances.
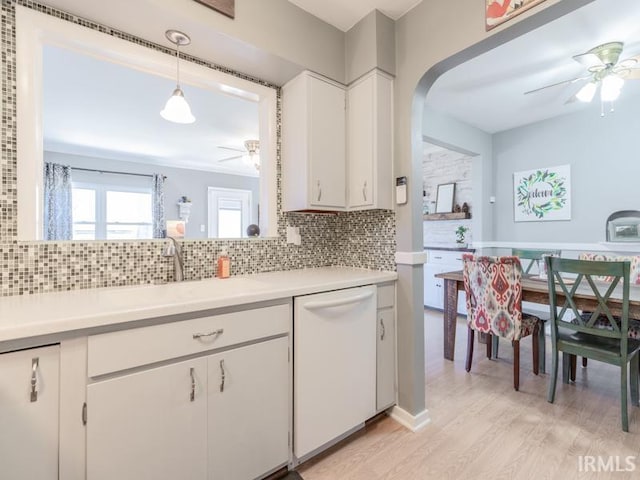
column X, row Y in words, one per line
column 111, row 212
column 229, row 212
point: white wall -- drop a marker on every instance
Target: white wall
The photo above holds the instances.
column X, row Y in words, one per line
column 605, row 168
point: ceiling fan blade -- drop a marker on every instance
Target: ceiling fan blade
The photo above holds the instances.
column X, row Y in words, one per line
column 565, row 82
column 232, row 148
column 588, row 59
column 230, row 158
column 634, row 74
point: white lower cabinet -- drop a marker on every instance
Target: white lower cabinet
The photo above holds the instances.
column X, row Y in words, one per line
column 29, row 419
column 386, row 359
column 149, row 425
column 222, row 416
column 440, row 262
column 248, row 395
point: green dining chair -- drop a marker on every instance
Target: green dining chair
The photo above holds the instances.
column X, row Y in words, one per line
column 532, row 257
column 580, row 335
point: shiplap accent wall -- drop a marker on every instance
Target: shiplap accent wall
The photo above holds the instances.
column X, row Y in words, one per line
column 446, row 166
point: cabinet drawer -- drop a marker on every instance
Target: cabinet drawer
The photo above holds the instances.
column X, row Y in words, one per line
column 440, row 257
column 386, row 296
column 115, row 351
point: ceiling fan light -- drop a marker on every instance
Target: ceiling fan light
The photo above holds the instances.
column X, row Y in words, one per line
column 611, row 87
column 177, row 109
column 587, row 92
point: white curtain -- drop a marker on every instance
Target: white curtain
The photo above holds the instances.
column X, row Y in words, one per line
column 57, row 202
column 159, row 227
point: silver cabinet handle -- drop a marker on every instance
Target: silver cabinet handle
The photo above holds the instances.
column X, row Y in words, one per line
column 364, row 190
column 222, row 376
column 192, row 397
column 34, row 379
column 438, row 258
column 383, row 331
column 214, row 333
column 319, row 191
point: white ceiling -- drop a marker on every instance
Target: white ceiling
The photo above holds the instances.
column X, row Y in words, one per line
column 488, row 91
column 344, row 14
column 101, row 109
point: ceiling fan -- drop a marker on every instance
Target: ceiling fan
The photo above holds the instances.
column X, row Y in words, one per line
column 249, row 155
column 605, row 70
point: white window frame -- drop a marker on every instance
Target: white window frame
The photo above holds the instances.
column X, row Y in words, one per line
column 214, row 194
column 101, row 190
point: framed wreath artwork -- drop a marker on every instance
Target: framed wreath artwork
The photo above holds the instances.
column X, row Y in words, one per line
column 543, row 194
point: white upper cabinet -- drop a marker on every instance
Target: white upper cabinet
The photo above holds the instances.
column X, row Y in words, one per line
column 337, row 145
column 313, row 144
column 369, row 147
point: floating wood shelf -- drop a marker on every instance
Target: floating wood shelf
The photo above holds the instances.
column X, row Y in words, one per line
column 447, row 216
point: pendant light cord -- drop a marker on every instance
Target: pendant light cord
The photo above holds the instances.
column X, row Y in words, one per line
column 178, row 64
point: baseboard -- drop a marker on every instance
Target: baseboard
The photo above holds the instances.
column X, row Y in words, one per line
column 415, row 423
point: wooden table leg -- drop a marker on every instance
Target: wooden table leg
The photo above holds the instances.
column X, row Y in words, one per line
column 450, row 317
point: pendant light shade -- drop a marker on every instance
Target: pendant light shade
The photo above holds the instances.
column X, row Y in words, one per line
column 177, row 109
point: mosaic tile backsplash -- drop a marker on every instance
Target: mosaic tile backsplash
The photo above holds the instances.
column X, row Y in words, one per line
column 358, row 239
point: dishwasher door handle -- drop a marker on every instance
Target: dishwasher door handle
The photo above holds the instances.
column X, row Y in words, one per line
column 338, row 303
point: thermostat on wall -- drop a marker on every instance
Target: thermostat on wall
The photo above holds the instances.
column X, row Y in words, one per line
column 401, row 190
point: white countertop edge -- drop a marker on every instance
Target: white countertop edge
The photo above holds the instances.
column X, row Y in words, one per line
column 28, row 316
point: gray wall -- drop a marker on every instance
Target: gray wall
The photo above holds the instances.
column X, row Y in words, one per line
column 603, row 154
column 369, row 44
column 179, row 182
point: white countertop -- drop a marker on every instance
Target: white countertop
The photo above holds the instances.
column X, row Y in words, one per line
column 26, row 316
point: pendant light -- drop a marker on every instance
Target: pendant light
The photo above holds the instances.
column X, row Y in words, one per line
column 177, row 109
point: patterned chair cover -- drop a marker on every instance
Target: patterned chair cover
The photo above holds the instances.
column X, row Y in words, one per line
column 634, row 279
column 494, row 297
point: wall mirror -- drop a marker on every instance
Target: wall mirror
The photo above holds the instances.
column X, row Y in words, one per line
column 91, row 102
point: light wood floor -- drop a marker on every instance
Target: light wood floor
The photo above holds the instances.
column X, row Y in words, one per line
column 481, row 428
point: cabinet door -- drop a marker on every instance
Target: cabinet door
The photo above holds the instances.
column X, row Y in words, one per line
column 248, row 391
column 433, row 289
column 386, row 359
column 29, row 423
column 360, row 143
column 326, row 144
column 149, row 425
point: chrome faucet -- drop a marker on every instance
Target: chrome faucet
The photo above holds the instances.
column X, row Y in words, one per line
column 174, row 250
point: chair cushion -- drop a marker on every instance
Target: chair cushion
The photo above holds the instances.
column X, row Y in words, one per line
column 528, row 323
column 603, row 322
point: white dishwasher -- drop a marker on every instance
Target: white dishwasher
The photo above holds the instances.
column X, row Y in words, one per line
column 334, row 365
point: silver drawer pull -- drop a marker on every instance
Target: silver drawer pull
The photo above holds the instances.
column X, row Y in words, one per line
column 438, row 258
column 34, row 379
column 214, row 333
column 383, row 331
column 192, row 397
column 222, row 376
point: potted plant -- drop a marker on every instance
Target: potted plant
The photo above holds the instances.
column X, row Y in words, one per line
column 461, row 232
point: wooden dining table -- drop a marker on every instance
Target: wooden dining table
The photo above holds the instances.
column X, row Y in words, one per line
column 535, row 290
